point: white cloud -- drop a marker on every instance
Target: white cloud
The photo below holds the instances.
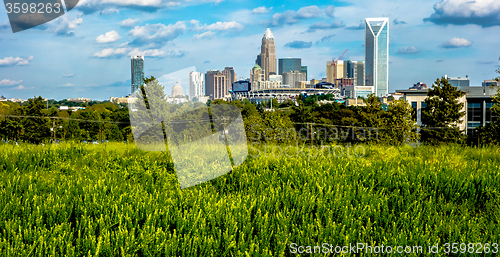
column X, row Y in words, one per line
column 329, row 10
column 108, row 11
column 11, row 61
column 64, row 25
column 207, row 34
column 156, row 33
column 7, row 82
column 261, row 9
column 456, row 43
column 68, row 75
column 68, row 85
column 290, row 17
column 485, row 13
column 408, row 50
column 20, row 87
column 149, row 52
column 217, row 26
column 109, row 37
column 129, row 22
column 111, row 53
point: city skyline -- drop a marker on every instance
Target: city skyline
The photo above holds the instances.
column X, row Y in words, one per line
column 84, row 53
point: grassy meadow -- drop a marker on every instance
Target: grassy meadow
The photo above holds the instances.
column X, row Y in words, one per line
column 116, row 200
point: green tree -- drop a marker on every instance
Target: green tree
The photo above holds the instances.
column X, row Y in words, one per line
column 36, row 127
column 441, row 116
column 400, row 127
column 491, row 132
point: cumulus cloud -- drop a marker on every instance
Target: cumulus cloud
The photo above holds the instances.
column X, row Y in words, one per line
column 291, row 17
column 329, row 10
column 18, row 61
column 323, row 25
column 7, row 82
column 456, row 43
column 5, row 25
column 261, row 9
column 68, row 75
column 408, row 50
column 397, row 22
column 108, row 11
column 129, row 22
column 299, row 44
column 64, row 25
column 228, row 25
column 20, row 87
column 156, row 33
column 149, row 52
column 91, row 6
column 207, row 34
column 111, row 53
column 109, row 37
column 68, row 85
column 485, row 13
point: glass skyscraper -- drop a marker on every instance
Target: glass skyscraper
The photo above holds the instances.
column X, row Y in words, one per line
column 289, row 64
column 377, row 54
column 137, row 63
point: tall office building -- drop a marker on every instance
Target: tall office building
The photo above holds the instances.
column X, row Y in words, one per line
column 196, row 83
column 334, row 71
column 377, row 54
column 291, row 77
column 303, row 69
column 267, row 57
column 358, row 73
column 215, row 85
column 230, row 76
column 137, row 64
column 288, row 64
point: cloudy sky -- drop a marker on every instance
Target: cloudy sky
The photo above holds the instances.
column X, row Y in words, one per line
column 86, row 52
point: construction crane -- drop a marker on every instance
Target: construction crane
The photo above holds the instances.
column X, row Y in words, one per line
column 335, row 62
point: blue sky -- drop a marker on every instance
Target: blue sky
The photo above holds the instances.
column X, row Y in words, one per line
column 86, row 52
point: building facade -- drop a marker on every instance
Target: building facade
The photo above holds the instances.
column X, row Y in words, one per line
column 377, row 54
column 267, row 57
column 334, row 71
column 289, row 64
column 291, row 77
column 458, row 82
column 256, row 76
column 196, row 84
column 215, row 85
column 137, row 65
column 303, row 69
column 230, row 75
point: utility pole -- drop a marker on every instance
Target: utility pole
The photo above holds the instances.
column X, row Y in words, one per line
column 311, row 134
column 54, row 129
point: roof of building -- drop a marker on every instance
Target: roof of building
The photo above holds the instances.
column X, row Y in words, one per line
column 256, row 67
column 268, row 34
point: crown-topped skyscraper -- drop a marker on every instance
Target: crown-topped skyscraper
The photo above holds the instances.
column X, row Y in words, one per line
column 267, row 57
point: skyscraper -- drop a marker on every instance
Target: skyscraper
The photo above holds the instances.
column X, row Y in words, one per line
column 215, row 85
column 267, row 57
column 137, row 64
column 196, row 81
column 256, row 76
column 230, row 77
column 288, row 64
column 377, row 54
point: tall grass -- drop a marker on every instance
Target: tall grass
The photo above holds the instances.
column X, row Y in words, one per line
column 116, row 200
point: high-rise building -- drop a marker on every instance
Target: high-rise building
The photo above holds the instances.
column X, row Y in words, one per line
column 377, row 54
column 267, row 57
column 196, row 83
column 230, row 76
column 288, row 64
column 303, row 69
column 256, row 76
column 358, row 73
column 177, row 90
column 137, row 64
column 334, row 71
column 215, row 85
column 291, row 77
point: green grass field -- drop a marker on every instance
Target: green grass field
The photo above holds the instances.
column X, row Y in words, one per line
column 116, row 200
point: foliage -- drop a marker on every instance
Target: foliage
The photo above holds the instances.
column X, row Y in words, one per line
column 400, row 127
column 443, row 113
column 115, row 200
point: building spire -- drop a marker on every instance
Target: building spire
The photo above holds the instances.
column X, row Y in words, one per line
column 268, row 34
